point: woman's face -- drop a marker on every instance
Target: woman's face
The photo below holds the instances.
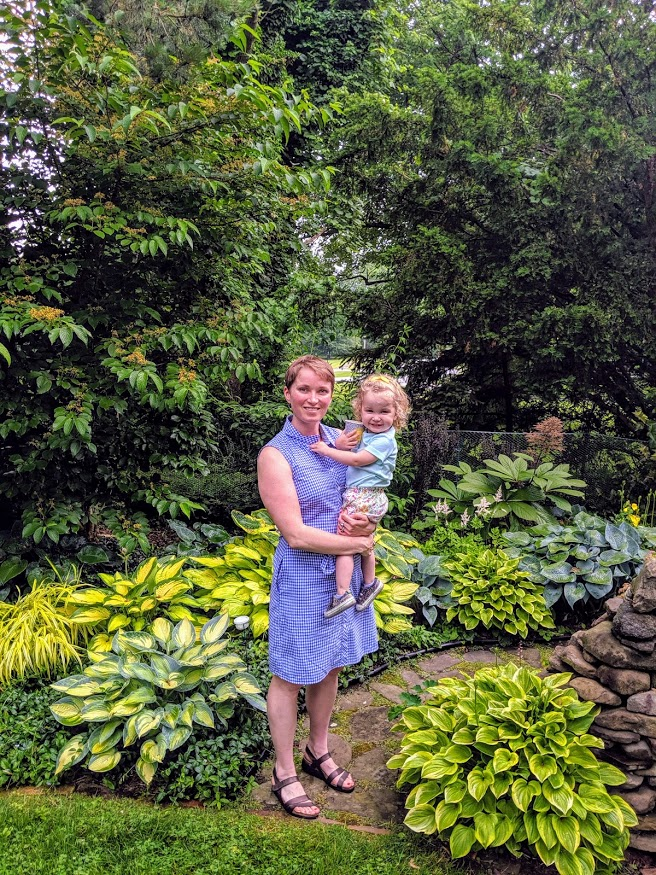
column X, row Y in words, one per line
column 309, row 396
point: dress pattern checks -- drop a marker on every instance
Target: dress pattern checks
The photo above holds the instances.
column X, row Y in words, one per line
column 303, row 645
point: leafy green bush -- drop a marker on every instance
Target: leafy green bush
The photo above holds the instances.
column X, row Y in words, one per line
column 167, row 670
column 30, row 737
column 509, row 492
column 238, row 580
column 490, row 590
column 37, row 633
column 504, row 759
column 585, row 560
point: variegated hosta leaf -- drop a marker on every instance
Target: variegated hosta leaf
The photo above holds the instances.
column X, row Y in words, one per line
column 214, row 630
column 202, row 714
column 71, row 753
column 162, row 629
column 104, row 762
column 68, row 711
column 146, row 771
column 223, row 692
column 145, row 569
column 90, row 616
column 154, row 749
column 139, row 671
column 77, row 685
column 184, row 635
column 223, row 665
column 175, row 738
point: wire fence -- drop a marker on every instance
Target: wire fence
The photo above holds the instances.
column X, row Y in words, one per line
column 612, row 467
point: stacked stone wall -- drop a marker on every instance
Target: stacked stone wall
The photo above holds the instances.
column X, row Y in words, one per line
column 614, row 665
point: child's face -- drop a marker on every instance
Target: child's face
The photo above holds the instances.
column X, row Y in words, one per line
column 378, row 411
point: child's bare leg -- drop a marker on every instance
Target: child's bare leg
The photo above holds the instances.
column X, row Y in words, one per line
column 368, row 561
column 343, row 573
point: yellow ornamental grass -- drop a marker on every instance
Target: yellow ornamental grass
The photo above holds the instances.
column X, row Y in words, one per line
column 130, row 602
column 37, row 635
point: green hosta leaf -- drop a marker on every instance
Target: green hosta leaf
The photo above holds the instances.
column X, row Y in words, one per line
column 485, row 828
column 71, row 753
column 567, row 832
column 613, row 557
column 600, row 576
column 421, row 818
column 560, row 573
column 615, row 537
column 145, row 770
column 599, row 591
column 590, row 829
column 552, row 592
column 477, row 784
column 542, row 767
column 546, row 829
column 573, row 593
column 446, row 815
column 92, row 555
column 454, row 792
column 461, row 840
column 67, row 711
column 104, row 762
column 456, row 753
column 522, row 793
column 504, row 760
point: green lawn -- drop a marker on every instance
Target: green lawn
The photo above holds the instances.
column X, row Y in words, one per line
column 77, row 835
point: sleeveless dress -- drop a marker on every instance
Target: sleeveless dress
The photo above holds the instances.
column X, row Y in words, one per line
column 303, row 645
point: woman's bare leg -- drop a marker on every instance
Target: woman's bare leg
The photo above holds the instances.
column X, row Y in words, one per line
column 282, row 711
column 320, row 701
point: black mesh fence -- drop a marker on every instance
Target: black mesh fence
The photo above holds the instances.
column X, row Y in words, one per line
column 611, row 466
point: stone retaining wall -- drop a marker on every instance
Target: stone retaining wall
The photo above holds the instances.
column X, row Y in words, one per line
column 614, row 665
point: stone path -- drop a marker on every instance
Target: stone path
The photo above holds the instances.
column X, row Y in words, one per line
column 362, row 740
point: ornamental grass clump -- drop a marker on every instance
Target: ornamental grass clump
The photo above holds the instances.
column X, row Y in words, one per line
column 490, row 590
column 152, row 689
column 504, row 759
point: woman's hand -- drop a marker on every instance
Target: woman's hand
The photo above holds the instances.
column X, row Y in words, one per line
column 355, row 525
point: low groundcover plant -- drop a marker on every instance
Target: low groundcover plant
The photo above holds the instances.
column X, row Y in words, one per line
column 503, row 759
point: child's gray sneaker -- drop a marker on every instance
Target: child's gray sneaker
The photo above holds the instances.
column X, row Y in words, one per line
column 367, row 594
column 339, row 604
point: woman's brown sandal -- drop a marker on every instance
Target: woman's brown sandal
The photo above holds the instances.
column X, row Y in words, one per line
column 290, row 805
column 335, row 779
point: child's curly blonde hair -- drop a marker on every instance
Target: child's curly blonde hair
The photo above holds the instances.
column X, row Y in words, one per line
column 379, row 384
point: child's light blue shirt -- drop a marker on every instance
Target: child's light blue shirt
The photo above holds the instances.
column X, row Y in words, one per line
column 379, row 473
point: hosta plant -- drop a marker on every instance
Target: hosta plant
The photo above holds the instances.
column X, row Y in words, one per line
column 587, row 559
column 503, row 759
column 37, row 635
column 151, row 690
column 490, row 590
column 509, row 492
column 157, row 588
column 238, row 579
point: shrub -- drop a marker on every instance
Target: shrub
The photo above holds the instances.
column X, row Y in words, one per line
column 509, row 492
column 168, row 671
column 156, row 588
column 585, row 560
column 30, row 737
column 490, row 590
column 504, row 759
column 37, row 634
column 239, row 580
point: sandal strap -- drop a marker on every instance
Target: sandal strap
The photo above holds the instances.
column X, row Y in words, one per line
column 340, row 775
column 316, row 761
column 298, row 802
column 284, row 783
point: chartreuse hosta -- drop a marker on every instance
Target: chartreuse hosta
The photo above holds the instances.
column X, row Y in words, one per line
column 239, row 579
column 504, row 759
column 151, row 690
column 131, row 601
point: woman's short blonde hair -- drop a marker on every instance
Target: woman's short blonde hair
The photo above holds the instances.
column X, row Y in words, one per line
column 379, row 384
column 321, row 368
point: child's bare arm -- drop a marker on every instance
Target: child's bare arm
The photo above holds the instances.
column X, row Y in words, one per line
column 358, row 460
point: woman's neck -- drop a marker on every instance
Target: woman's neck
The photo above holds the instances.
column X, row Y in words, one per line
column 306, row 428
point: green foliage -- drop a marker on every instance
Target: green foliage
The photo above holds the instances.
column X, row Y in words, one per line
column 37, row 633
column 509, row 492
column 504, row 759
column 30, row 737
column 156, row 588
column 239, row 579
column 167, row 670
column 585, row 560
column 489, row 589
column 151, row 228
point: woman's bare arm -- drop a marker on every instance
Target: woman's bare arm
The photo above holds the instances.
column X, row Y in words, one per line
column 280, row 499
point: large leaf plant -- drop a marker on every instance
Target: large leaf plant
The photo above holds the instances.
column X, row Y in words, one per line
column 504, row 759
column 151, row 690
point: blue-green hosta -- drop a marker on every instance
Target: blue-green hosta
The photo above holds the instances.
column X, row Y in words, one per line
column 151, row 689
column 587, row 559
column 504, row 759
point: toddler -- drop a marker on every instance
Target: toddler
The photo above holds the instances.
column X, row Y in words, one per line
column 382, row 406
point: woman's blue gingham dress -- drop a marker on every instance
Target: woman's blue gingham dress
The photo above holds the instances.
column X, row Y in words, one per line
column 303, row 645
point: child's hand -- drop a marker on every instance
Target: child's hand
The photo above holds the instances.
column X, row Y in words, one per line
column 347, row 440
column 319, row 447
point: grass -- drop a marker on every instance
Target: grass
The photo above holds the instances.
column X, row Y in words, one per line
column 77, row 835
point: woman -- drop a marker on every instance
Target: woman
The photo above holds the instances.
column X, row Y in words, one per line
column 303, row 493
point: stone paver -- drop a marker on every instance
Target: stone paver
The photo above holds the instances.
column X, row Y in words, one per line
column 371, row 724
column 388, row 691
column 438, row 663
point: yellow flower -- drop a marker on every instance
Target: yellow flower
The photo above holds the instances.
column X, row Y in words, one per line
column 45, row 314
column 634, row 507
column 634, row 519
